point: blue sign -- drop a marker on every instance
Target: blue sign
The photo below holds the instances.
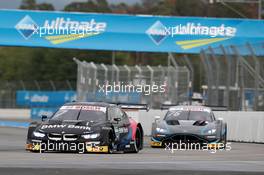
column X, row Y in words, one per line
column 125, row 32
column 250, row 97
column 36, row 113
column 44, row 98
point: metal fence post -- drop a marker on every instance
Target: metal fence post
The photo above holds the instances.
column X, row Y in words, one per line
column 52, row 85
column 105, row 73
column 117, row 72
column 191, row 76
column 239, row 77
column 209, row 76
column 228, row 77
column 128, row 73
column 257, row 70
column 140, row 73
column 95, row 76
column 217, row 75
column 151, row 82
column 162, row 80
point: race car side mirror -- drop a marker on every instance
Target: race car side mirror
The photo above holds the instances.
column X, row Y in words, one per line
column 219, row 120
column 157, row 118
column 43, row 117
column 117, row 119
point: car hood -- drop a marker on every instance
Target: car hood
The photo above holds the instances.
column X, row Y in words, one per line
column 71, row 127
column 186, row 127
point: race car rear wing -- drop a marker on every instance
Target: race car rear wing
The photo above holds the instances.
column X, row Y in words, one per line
column 217, row 108
column 214, row 108
column 127, row 106
column 167, row 106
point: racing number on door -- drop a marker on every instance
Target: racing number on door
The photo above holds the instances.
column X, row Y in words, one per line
column 121, row 127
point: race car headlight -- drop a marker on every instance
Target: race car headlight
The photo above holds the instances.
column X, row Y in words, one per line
column 161, row 130
column 211, row 131
column 38, row 134
column 91, row 136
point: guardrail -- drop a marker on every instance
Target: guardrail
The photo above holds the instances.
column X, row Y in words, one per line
column 15, row 114
column 242, row 126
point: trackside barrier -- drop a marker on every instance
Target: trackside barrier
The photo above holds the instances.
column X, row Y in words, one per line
column 15, row 114
column 242, row 126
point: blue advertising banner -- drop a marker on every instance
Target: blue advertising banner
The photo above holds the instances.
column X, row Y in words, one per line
column 44, row 98
column 36, row 113
column 249, row 95
column 124, row 32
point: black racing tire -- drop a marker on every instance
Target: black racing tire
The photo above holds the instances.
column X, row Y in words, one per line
column 111, row 143
column 157, row 147
column 137, row 141
column 34, row 151
column 225, row 138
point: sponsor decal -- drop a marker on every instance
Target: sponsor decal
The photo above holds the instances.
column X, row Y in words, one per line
column 94, row 108
column 152, row 143
column 60, row 30
column 26, row 27
column 97, row 149
column 65, row 126
column 202, row 30
column 44, row 98
column 189, row 44
column 191, row 108
column 158, row 32
column 38, row 98
column 122, row 130
column 73, row 107
column 85, row 108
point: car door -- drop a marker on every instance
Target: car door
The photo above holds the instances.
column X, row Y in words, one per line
column 124, row 123
column 120, row 122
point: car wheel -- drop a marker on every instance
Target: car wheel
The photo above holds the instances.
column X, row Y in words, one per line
column 34, row 151
column 225, row 138
column 111, row 144
column 137, row 141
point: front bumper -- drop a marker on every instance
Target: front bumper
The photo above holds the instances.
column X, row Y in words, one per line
column 156, row 143
column 161, row 141
column 80, row 147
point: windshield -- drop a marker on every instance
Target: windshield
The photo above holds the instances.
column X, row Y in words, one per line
column 200, row 115
column 188, row 115
column 90, row 113
column 177, row 115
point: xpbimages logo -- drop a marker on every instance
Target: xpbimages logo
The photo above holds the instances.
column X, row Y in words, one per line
column 158, row 33
column 60, row 30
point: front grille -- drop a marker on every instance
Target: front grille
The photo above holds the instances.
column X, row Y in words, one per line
column 70, row 137
column 55, row 136
column 188, row 138
column 64, row 137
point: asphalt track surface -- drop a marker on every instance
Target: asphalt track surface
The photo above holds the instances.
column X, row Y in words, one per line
column 243, row 158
